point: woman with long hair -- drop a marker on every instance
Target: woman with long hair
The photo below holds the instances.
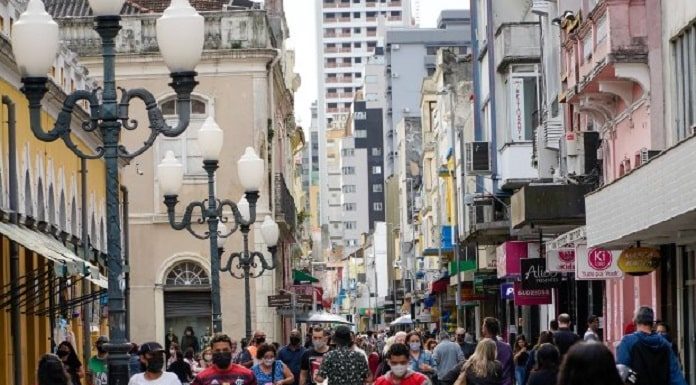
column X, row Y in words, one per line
column 51, row 371
column 482, row 368
column 589, row 363
column 420, row 360
column 181, row 368
column 545, row 337
column 548, row 358
column 520, row 357
column 73, row 365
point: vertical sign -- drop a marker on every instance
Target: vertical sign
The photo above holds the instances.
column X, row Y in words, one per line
column 596, row 263
column 517, row 122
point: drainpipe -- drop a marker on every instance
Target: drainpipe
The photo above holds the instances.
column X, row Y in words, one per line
column 491, row 80
column 15, row 315
column 86, row 285
column 126, row 255
column 271, row 166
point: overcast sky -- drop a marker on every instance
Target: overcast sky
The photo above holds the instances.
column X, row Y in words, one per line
column 301, row 19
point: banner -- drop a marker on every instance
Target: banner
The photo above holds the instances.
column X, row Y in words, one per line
column 561, row 260
column 527, row 297
column 509, row 254
column 596, row 263
column 535, row 276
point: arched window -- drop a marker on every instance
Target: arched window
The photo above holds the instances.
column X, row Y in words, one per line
column 61, row 213
column 185, row 146
column 51, row 206
column 73, row 219
column 40, row 203
column 187, row 273
column 28, row 207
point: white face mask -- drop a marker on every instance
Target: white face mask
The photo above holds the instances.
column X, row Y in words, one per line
column 268, row 361
column 399, row 370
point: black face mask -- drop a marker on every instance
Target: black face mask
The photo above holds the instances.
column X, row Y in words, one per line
column 294, row 340
column 62, row 353
column 222, row 359
column 260, row 340
column 155, row 364
column 101, row 349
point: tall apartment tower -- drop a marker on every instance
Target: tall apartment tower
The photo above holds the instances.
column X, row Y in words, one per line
column 347, row 37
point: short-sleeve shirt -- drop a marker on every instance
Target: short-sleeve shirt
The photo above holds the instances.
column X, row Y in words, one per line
column 263, row 378
column 344, row 366
column 311, row 361
column 233, row 375
column 166, row 378
column 98, row 368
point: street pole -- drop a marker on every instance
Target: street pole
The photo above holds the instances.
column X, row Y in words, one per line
column 455, row 205
column 210, row 166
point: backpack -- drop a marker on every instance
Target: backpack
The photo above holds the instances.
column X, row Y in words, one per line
column 650, row 363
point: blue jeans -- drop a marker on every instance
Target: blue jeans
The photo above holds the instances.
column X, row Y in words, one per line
column 520, row 372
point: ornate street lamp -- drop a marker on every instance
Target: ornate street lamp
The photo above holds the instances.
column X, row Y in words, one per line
column 251, row 171
column 35, row 45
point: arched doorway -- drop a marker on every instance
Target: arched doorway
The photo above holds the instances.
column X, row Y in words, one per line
column 186, row 301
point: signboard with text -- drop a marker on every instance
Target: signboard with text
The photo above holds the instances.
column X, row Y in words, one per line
column 279, row 300
column 561, row 260
column 596, row 263
column 535, row 276
column 528, row 297
column 507, row 291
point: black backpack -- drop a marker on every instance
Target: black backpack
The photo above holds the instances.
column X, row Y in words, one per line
column 651, row 363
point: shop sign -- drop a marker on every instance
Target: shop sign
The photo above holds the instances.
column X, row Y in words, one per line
column 527, row 297
column 469, row 294
column 507, row 291
column 485, row 283
column 535, row 276
column 596, row 263
column 561, row 260
column 280, row 300
column 639, row 260
column 509, row 254
column 487, row 258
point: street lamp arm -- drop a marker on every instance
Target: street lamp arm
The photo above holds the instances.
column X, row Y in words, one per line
column 170, row 201
column 262, row 258
column 238, row 218
column 237, row 271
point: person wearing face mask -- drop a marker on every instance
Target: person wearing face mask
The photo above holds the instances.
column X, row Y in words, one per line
column 206, row 360
column 247, row 357
column 312, row 358
column 269, row 370
column 152, row 363
column 291, row 355
column 400, row 373
column 171, row 354
column 72, row 363
column 189, row 340
column 97, row 367
column 420, row 360
column 223, row 371
column 343, row 366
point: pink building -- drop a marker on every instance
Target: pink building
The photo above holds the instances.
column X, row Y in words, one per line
column 611, row 78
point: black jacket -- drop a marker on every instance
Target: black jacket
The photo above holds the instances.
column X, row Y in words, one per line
column 564, row 339
column 543, row 377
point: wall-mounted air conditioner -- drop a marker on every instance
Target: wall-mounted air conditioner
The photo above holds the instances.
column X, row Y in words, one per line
column 579, row 153
column 478, row 158
column 646, row 155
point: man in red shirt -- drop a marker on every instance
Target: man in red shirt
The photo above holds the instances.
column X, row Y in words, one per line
column 223, row 371
column 398, row 356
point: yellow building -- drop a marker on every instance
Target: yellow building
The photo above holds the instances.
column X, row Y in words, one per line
column 54, row 287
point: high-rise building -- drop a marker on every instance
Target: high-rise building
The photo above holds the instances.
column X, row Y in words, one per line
column 347, row 37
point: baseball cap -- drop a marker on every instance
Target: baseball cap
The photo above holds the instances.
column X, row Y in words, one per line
column 102, row 340
column 150, row 347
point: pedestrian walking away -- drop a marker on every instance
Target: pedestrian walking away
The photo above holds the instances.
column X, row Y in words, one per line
column 648, row 353
column 181, row 368
column 222, row 369
column 66, row 353
column 564, row 338
column 343, row 366
column 491, row 329
column 292, row 353
column 482, row 368
column 152, row 358
column 545, row 337
column 589, row 363
column 447, row 354
column 545, row 372
column 401, row 373
column 51, row 371
column 270, row 370
column 97, row 367
column 312, row 358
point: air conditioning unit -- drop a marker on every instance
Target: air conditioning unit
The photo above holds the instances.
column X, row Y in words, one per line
column 395, row 47
column 646, row 155
column 478, row 158
column 579, row 155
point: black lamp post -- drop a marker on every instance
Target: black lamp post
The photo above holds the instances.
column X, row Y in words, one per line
column 35, row 45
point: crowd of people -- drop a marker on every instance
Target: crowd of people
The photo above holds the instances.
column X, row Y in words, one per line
column 342, row 357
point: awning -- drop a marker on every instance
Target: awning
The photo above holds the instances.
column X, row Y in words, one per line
column 439, row 286
column 52, row 249
column 299, row 276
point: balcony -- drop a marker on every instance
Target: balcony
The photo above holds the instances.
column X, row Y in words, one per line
column 516, row 167
column 517, row 43
column 487, row 220
column 285, row 210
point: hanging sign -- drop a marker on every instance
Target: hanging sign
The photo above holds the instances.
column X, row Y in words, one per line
column 507, row 291
column 639, row 260
column 531, row 296
column 517, row 121
column 596, row 263
column 535, row 276
column 561, row 260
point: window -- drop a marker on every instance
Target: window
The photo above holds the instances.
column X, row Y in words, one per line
column 356, row 15
column 361, row 133
column 351, row 242
column 357, row 45
column 346, row 31
column 348, row 188
column 601, row 31
column 376, row 170
column 348, row 170
column 185, row 146
column 187, row 274
column 357, row 30
column 371, row 97
column 351, row 225
column 358, row 75
column 357, row 60
column 347, row 152
column 376, row 151
column 332, row 105
column 431, row 50
column 377, row 206
column 684, row 61
column 377, row 188
column 349, row 206
column 396, row 13
column 587, row 47
column 345, row 45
